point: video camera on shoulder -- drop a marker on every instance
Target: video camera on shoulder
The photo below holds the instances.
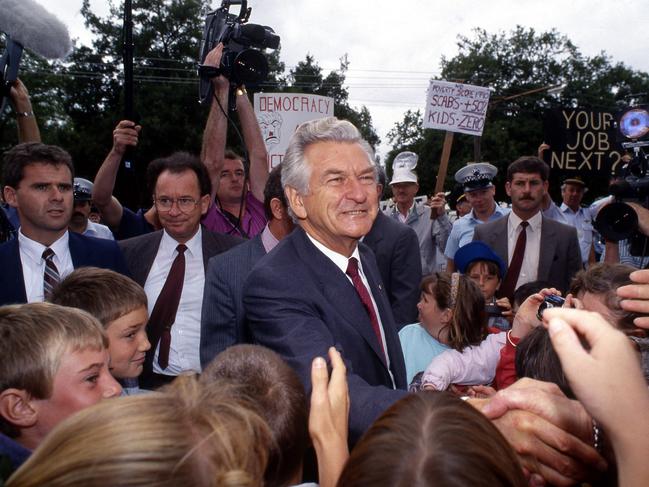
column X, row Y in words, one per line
column 242, row 61
column 618, row 221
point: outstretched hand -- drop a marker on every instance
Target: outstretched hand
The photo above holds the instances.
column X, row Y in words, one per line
column 328, row 418
column 635, row 297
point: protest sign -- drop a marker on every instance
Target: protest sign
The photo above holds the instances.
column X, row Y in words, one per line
column 456, row 107
column 279, row 114
column 582, row 141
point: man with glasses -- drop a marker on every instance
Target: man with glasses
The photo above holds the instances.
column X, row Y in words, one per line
column 170, row 264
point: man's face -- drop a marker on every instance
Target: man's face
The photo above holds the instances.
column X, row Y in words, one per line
column 526, row 191
column 231, row 181
column 80, row 213
column 128, row 343
column 342, row 202
column 572, row 195
column 404, row 193
column 481, row 200
column 82, row 380
column 44, row 201
column 180, row 224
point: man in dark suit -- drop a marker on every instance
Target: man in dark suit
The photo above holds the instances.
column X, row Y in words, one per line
column 223, row 319
column 37, row 182
column 304, row 296
column 396, row 248
column 547, row 250
column 170, row 264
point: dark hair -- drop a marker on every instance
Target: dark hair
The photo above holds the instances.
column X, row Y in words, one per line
column 177, row 163
column 603, row 279
column 230, row 154
column 276, row 390
column 468, row 324
column 22, row 155
column 432, row 438
column 528, row 164
column 536, row 359
column 492, row 268
column 524, row 291
column 273, row 189
column 105, row 294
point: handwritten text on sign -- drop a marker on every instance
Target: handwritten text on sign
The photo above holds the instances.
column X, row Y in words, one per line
column 279, row 114
column 456, row 107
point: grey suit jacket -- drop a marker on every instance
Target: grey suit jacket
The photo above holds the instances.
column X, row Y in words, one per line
column 223, row 320
column 560, row 257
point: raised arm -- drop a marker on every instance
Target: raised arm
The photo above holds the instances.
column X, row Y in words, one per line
column 25, row 119
column 254, row 145
column 215, row 133
column 125, row 135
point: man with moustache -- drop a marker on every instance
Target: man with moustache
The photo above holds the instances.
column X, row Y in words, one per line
column 80, row 221
column 534, row 246
column 37, row 182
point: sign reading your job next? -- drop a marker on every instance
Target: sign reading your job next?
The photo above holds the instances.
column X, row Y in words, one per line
column 456, row 107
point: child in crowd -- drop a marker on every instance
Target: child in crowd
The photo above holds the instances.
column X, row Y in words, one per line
column 120, row 304
column 452, row 316
column 54, row 362
column 480, row 263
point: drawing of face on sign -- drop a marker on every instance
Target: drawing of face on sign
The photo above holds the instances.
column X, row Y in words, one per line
column 271, row 128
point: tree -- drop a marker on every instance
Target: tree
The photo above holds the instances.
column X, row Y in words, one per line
column 78, row 102
column 513, row 63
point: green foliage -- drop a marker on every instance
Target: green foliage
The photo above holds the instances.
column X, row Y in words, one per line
column 514, row 63
column 78, row 102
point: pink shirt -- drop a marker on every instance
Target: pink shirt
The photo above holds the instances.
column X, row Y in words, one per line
column 252, row 222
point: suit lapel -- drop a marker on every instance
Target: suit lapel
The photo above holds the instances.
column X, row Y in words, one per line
column 13, row 278
column 338, row 289
column 548, row 246
column 145, row 256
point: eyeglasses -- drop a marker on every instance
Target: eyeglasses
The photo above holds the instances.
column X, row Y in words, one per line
column 184, row 204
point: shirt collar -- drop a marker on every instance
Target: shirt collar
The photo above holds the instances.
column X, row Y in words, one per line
column 268, row 240
column 534, row 222
column 497, row 211
column 34, row 250
column 338, row 259
column 566, row 209
column 169, row 244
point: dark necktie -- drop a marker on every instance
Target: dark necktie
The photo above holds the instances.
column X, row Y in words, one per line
column 509, row 283
column 166, row 306
column 366, row 299
column 51, row 275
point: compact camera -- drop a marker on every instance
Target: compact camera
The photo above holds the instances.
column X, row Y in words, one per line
column 551, row 301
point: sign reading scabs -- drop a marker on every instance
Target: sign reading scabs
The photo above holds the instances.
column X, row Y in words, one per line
column 456, row 107
column 279, row 114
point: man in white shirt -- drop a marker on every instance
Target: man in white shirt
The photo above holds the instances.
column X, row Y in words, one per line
column 80, row 222
column 534, row 246
column 38, row 183
column 170, row 264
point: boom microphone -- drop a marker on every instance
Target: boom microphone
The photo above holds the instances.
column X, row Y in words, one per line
column 27, row 23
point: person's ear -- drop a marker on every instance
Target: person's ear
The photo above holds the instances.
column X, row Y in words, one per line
column 204, row 202
column 9, row 195
column 296, row 202
column 447, row 314
column 16, row 408
column 508, row 188
column 277, row 209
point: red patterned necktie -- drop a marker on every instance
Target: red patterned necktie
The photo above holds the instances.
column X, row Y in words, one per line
column 163, row 315
column 366, row 299
column 509, row 283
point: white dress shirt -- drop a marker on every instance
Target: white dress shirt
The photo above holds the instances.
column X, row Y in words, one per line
column 33, row 264
column 341, row 262
column 530, row 266
column 98, row 230
column 186, row 331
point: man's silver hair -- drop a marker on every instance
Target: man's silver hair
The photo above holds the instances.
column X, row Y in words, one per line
column 296, row 171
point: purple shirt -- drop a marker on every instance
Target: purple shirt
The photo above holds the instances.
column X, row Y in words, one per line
column 253, row 220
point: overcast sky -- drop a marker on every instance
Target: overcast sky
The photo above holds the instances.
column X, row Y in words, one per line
column 394, row 47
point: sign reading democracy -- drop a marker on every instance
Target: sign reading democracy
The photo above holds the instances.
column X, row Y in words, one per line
column 279, row 114
column 456, row 107
column 581, row 141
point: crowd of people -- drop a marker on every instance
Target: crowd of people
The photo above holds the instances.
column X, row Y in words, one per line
column 275, row 327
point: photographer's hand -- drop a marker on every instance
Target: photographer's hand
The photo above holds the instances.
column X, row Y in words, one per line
column 635, row 297
column 213, row 59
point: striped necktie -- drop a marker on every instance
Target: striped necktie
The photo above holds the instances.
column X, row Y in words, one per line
column 51, row 275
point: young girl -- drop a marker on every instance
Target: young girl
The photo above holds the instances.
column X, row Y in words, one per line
column 452, row 316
